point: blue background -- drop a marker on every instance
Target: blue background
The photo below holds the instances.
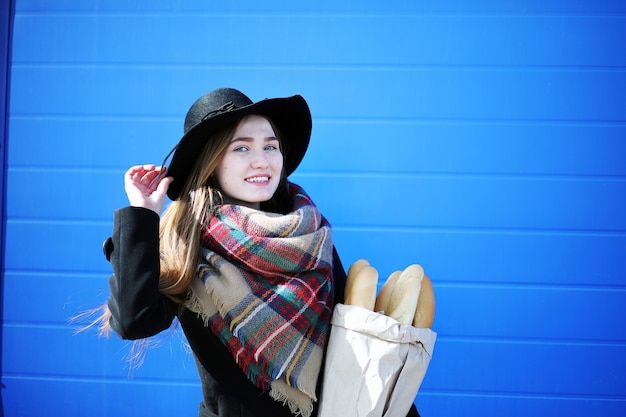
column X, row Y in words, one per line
column 485, row 140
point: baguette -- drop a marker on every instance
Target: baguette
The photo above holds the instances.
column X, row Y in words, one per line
column 382, row 301
column 405, row 294
column 353, row 271
column 362, row 291
column 425, row 309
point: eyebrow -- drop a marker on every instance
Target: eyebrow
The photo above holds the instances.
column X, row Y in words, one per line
column 250, row 139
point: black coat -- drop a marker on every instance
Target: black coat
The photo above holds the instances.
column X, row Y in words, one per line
column 139, row 310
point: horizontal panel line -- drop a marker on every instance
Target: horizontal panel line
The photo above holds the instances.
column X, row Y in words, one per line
column 338, row 227
column 76, row 323
column 60, row 169
column 440, row 283
column 459, row 175
column 117, row 380
column 473, row 121
column 173, row 334
column 65, row 272
column 61, row 326
column 530, row 341
column 56, row 222
column 509, row 285
column 83, row 275
column 336, row 120
column 95, row 117
column 352, row 174
column 169, row 13
column 43, row 65
column 360, row 120
column 478, row 230
column 523, row 395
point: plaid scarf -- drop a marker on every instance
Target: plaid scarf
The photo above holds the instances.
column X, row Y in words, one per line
column 263, row 286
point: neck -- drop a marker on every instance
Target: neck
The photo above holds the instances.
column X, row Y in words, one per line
column 234, row 201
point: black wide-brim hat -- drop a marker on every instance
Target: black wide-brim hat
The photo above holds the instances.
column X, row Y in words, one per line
column 218, row 108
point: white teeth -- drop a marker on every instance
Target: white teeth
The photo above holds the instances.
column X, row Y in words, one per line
column 258, row 179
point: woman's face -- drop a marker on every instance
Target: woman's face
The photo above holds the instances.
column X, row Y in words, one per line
column 250, row 170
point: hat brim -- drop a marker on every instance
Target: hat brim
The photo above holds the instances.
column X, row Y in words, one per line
column 291, row 116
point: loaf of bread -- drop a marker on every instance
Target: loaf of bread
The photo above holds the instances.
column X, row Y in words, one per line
column 382, row 300
column 353, row 271
column 362, row 291
column 425, row 310
column 405, row 294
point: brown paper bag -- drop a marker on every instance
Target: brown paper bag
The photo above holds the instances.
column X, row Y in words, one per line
column 374, row 365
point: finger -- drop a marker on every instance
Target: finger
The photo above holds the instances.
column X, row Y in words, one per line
column 164, row 184
column 130, row 171
column 137, row 169
column 148, row 176
column 159, row 175
column 135, row 174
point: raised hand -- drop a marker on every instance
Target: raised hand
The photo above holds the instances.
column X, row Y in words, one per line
column 144, row 189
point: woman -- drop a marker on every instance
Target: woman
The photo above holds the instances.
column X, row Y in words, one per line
column 241, row 257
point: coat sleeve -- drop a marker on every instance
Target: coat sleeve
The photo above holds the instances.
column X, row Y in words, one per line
column 138, row 309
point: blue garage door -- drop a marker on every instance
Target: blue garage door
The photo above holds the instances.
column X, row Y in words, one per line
column 485, row 140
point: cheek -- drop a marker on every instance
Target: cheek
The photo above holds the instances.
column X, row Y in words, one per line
column 277, row 162
column 221, row 174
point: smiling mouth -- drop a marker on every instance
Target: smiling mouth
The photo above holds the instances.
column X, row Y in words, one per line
column 258, row 179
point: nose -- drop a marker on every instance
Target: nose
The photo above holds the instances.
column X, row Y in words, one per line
column 259, row 160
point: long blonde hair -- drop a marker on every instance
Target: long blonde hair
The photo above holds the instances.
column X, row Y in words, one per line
column 182, row 221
